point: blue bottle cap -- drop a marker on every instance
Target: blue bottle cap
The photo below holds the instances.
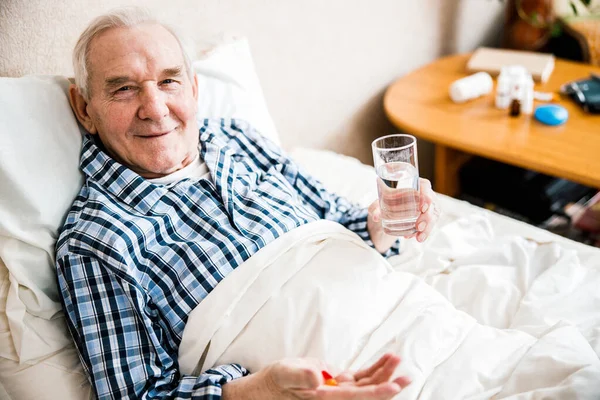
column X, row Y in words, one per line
column 551, row 114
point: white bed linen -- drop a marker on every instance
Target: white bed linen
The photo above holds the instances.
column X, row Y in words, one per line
column 319, row 291
column 463, row 228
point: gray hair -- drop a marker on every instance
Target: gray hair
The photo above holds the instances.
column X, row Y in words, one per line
column 125, row 17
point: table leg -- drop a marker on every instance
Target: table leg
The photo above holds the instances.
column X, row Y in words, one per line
column 447, row 163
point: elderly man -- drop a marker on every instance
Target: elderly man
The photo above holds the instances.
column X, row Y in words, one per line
column 168, row 209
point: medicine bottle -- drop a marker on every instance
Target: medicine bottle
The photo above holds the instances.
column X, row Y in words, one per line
column 503, row 88
column 527, row 96
column 515, row 108
column 516, row 96
column 471, row 87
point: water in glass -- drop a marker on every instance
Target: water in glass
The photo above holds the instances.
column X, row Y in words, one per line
column 398, row 188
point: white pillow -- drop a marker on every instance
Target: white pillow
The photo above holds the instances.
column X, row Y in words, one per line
column 39, row 177
column 343, row 175
column 228, row 87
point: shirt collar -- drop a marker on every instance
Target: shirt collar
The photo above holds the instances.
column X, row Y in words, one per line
column 138, row 192
column 117, row 179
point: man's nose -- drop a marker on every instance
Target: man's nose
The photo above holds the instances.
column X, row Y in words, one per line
column 153, row 104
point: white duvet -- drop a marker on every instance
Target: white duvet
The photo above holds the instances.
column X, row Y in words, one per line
column 511, row 318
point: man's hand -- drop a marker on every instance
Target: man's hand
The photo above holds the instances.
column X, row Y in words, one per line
column 302, row 379
column 425, row 221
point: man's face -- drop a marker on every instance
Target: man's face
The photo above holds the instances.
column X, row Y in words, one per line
column 142, row 103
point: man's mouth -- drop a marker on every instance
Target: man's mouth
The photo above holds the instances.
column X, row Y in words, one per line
column 154, row 135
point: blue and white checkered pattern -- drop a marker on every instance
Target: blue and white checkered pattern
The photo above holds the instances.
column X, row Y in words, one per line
column 134, row 258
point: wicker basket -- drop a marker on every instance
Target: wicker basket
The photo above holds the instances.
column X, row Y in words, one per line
column 587, row 32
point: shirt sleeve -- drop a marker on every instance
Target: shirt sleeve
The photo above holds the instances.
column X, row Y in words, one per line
column 120, row 344
column 328, row 205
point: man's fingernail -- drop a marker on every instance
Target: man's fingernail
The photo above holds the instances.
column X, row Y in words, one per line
column 421, row 226
column 425, row 208
column 422, row 237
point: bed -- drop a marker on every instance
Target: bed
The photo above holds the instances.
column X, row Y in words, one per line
column 487, row 307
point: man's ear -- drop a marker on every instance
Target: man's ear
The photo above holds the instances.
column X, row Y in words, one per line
column 195, row 87
column 79, row 106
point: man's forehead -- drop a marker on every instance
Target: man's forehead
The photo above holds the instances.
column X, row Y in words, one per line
column 119, row 50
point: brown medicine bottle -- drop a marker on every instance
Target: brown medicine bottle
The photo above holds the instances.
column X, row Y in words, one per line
column 515, row 108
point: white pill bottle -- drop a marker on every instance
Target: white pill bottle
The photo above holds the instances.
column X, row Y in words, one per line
column 471, row 87
column 503, row 89
column 527, row 101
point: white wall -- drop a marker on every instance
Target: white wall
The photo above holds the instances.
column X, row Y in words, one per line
column 324, row 64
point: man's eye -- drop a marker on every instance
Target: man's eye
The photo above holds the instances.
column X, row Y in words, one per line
column 168, row 81
column 124, row 89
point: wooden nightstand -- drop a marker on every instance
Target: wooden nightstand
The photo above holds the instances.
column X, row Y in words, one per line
column 418, row 103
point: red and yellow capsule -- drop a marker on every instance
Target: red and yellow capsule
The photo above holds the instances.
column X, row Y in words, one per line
column 329, row 380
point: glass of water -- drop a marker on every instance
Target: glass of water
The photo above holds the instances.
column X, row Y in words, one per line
column 397, row 167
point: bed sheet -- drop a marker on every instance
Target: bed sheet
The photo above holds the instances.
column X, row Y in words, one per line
column 486, row 264
column 323, row 293
column 445, row 261
column 504, row 272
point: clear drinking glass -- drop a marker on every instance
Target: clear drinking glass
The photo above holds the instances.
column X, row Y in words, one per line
column 397, row 167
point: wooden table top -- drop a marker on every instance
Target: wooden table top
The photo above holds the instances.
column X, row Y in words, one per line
column 419, row 103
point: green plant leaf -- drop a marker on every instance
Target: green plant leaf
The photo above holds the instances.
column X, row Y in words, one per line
column 573, row 7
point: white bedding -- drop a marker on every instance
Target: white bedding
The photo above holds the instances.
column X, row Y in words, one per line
column 510, row 316
column 476, row 259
